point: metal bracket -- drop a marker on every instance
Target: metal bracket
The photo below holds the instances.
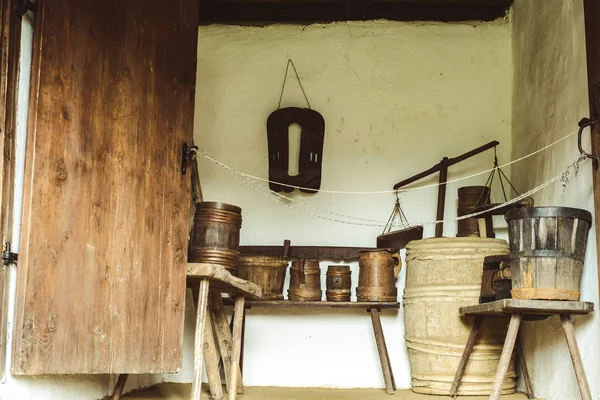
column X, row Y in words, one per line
column 187, row 155
column 584, row 123
column 9, row 257
column 22, row 6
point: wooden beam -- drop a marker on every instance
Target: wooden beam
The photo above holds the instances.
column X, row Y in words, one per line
column 308, row 11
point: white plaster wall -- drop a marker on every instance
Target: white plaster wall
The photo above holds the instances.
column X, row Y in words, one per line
column 550, row 97
column 396, row 98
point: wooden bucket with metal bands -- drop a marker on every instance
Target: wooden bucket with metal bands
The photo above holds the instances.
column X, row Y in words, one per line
column 470, row 197
column 338, row 283
column 216, row 235
column 547, row 251
column 267, row 272
column 378, row 270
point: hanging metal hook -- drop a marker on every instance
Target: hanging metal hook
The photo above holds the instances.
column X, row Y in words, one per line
column 584, row 123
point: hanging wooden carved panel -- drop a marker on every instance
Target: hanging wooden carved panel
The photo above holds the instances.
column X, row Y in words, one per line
column 311, row 149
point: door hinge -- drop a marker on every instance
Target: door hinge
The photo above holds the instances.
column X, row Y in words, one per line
column 8, row 257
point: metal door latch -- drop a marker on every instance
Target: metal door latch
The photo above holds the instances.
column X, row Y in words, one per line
column 9, row 257
column 188, row 153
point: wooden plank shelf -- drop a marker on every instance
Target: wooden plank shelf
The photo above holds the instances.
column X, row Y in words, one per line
column 318, row 304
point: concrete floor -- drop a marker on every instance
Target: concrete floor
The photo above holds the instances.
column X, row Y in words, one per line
column 172, row 391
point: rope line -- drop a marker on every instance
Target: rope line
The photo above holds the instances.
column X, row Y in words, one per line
column 204, row 154
column 563, row 177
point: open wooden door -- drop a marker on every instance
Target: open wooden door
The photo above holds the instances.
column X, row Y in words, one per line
column 101, row 281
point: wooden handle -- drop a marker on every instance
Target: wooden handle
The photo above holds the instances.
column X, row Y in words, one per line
column 397, row 264
column 286, row 248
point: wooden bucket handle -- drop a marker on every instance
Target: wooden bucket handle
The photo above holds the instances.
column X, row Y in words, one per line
column 397, row 263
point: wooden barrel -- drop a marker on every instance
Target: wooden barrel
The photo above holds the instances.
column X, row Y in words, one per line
column 378, row 270
column 338, row 283
column 470, row 197
column 267, row 272
column 442, row 275
column 547, row 250
column 305, row 281
column 216, row 235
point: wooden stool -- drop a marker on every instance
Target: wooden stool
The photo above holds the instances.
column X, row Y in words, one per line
column 213, row 336
column 517, row 309
column 214, row 280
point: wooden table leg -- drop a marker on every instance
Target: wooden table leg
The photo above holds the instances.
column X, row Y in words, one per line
column 211, row 358
column 118, row 391
column 524, row 372
column 575, row 357
column 238, row 317
column 462, row 365
column 199, row 339
column 507, row 351
column 384, row 358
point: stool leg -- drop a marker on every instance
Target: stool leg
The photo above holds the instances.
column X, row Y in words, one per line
column 462, row 365
column 211, row 357
column 237, row 345
column 384, row 358
column 199, row 339
column 524, row 372
column 575, row 356
column 119, row 387
column 224, row 338
column 507, row 350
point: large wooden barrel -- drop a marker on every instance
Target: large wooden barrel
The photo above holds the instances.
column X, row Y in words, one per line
column 547, row 250
column 442, row 275
column 378, row 270
column 338, row 283
column 470, row 197
column 305, row 281
column 216, row 235
column 267, row 272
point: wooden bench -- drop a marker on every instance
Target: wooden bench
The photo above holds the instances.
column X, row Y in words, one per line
column 374, row 308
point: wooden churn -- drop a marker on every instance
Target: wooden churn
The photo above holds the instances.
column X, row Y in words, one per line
column 378, row 271
column 267, row 272
column 469, row 198
column 547, row 251
column 339, row 283
column 305, row 281
column 216, row 235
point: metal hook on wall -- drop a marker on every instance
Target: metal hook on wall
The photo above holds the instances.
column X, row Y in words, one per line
column 584, row 123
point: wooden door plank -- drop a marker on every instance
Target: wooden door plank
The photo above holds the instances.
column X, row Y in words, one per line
column 101, row 283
